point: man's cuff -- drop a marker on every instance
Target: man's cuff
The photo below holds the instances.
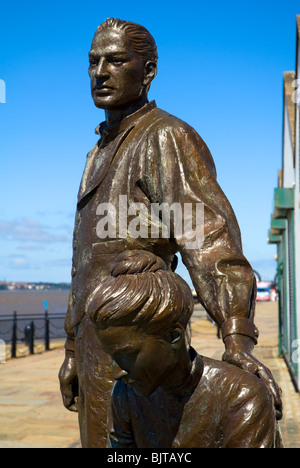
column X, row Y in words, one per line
column 239, row 326
column 70, row 345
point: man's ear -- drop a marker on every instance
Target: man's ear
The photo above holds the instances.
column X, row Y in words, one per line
column 177, row 336
column 150, row 71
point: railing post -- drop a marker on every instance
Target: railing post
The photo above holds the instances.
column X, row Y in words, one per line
column 47, row 331
column 14, row 337
column 31, row 342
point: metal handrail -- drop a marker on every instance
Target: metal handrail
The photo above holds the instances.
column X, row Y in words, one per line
column 31, row 329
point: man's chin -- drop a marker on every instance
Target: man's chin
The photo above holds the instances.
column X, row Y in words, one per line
column 103, row 100
column 101, row 103
column 112, row 104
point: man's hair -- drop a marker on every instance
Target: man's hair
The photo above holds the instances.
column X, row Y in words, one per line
column 141, row 291
column 140, row 39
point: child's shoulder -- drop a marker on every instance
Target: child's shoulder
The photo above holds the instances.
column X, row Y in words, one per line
column 234, row 383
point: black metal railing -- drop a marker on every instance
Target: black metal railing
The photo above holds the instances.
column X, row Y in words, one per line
column 25, row 333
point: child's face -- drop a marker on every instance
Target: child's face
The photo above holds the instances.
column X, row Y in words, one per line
column 143, row 361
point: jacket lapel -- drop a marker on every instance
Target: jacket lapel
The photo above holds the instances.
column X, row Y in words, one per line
column 98, row 165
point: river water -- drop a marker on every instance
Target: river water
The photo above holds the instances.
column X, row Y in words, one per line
column 32, row 302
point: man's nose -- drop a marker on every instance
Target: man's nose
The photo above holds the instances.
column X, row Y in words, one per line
column 117, row 372
column 101, row 70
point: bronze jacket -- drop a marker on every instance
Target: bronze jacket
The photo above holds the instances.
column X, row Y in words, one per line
column 150, row 158
column 217, row 406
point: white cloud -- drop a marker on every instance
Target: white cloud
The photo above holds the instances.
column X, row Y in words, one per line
column 19, row 262
column 30, row 247
column 14, row 262
column 30, row 230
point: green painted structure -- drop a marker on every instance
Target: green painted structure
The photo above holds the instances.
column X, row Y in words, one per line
column 285, row 224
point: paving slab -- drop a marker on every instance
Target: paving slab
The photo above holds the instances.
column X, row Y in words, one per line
column 31, row 410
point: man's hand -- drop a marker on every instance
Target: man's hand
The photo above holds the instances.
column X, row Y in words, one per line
column 69, row 383
column 238, row 352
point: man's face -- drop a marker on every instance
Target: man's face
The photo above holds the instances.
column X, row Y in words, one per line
column 143, row 361
column 116, row 71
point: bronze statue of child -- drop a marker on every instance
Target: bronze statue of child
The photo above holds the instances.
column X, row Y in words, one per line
column 167, row 395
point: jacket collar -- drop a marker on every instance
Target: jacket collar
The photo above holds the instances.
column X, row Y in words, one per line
column 115, row 135
column 109, row 133
column 191, row 382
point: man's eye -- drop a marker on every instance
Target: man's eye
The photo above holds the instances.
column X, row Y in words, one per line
column 116, row 60
column 93, row 63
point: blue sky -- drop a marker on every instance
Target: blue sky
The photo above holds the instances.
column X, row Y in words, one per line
column 220, row 69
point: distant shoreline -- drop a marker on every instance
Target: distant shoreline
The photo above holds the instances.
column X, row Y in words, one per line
column 23, row 286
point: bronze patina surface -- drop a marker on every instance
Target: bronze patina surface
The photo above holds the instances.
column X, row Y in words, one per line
column 166, row 395
column 148, row 157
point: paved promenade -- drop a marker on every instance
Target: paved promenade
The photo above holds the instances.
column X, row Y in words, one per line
column 31, row 411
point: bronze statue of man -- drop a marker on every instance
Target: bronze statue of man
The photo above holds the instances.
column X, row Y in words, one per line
column 146, row 157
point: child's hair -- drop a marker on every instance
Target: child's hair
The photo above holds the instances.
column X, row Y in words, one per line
column 141, row 291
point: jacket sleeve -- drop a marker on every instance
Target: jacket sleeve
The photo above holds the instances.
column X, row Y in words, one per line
column 120, row 434
column 69, row 345
column 69, row 326
column 181, row 173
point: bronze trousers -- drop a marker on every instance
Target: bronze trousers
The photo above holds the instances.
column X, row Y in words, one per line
column 95, row 384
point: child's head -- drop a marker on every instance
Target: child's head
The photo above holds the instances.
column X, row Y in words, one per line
column 141, row 313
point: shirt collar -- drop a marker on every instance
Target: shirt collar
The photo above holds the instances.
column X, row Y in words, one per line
column 110, row 132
